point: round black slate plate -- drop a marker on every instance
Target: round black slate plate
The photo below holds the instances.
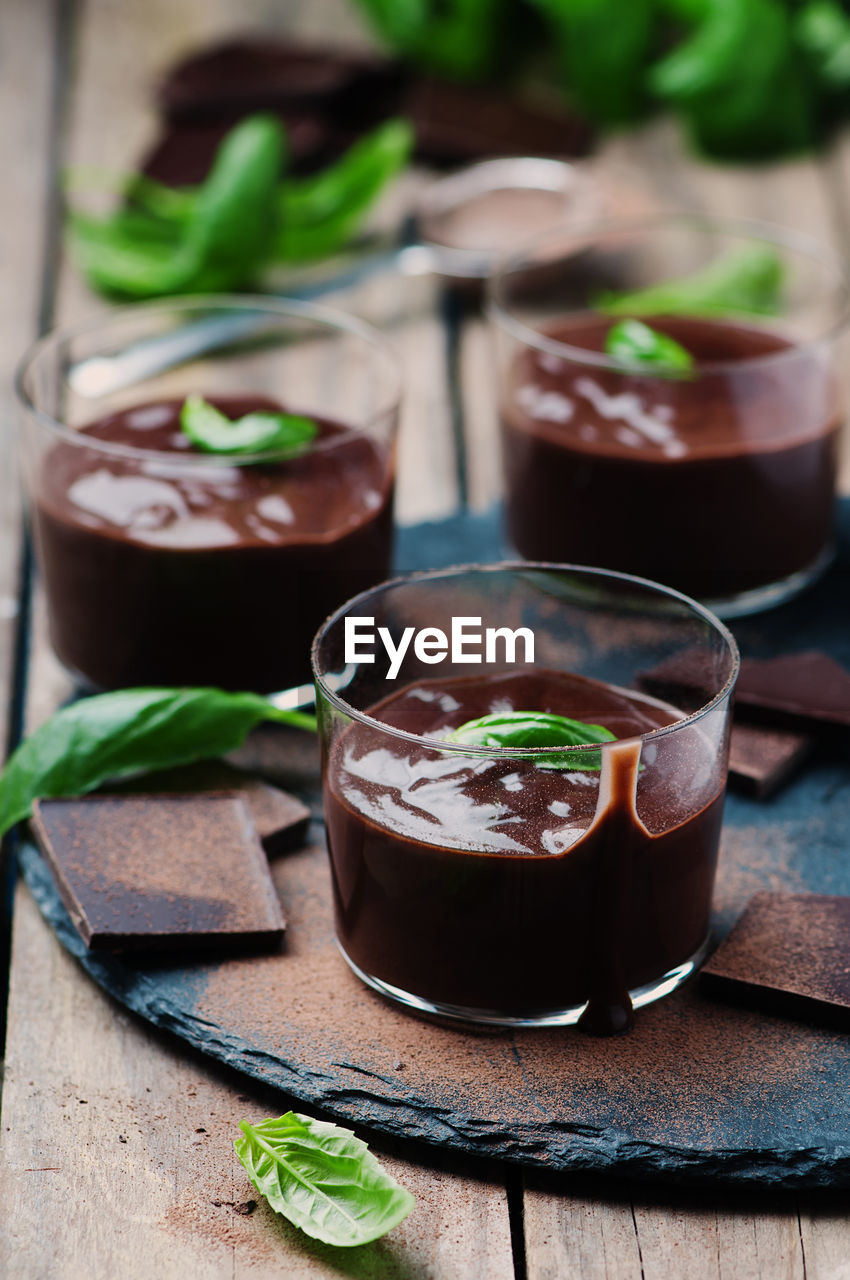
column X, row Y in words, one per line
column 698, row 1090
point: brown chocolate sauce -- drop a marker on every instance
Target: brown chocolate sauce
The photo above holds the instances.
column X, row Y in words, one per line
column 203, row 572
column 501, row 887
column 716, row 484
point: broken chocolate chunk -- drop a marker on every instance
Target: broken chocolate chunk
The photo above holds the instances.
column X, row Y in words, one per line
column 789, row 953
column 281, row 819
column 456, row 124
column 808, row 687
column 165, row 872
column 183, row 153
column 239, row 76
column 762, row 758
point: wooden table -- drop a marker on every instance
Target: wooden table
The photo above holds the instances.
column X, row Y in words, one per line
column 117, row 1143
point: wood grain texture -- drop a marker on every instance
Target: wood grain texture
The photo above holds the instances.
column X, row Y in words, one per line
column 668, row 1236
column 26, row 47
column 126, row 1141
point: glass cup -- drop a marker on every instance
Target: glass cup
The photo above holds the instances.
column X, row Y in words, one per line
column 524, row 886
column 166, row 565
column 720, row 483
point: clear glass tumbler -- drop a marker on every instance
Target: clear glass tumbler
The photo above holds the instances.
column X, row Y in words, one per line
column 163, row 564
column 720, row 482
column 512, row 885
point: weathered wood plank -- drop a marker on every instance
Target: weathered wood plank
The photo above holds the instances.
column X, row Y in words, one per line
column 665, row 1236
column 26, row 44
column 126, row 1141
column 574, row 1235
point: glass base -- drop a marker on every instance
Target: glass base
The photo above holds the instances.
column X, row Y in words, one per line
column 641, row 996
column 774, row 593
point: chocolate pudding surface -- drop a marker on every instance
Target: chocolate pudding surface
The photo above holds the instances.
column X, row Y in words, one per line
column 717, row 483
column 492, row 884
column 181, row 568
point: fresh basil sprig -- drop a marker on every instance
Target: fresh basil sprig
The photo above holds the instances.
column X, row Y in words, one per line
column 213, row 432
column 746, row 280
column 246, row 215
column 318, row 214
column 114, row 735
column 523, row 729
column 633, row 344
column 322, row 1178
column 220, row 243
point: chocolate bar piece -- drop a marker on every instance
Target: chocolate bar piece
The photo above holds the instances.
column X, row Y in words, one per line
column 789, row 952
column 160, row 872
column 810, row 687
column 183, row 153
column 281, row 819
column 456, row 124
column 761, row 757
column 326, row 97
column 231, row 79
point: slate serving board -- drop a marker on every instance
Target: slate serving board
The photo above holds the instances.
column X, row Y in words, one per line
column 700, row 1090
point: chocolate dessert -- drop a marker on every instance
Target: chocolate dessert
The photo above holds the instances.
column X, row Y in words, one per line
column 510, row 889
column 195, row 570
column 717, row 484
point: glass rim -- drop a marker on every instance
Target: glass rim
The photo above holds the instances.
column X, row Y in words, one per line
column 516, row 566
column 284, row 308
column 585, row 234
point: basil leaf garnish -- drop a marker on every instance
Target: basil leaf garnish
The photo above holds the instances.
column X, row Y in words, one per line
column 322, row 1178
column 537, row 729
column 213, row 432
column 219, row 240
column 746, row 280
column 130, row 731
column 633, row 344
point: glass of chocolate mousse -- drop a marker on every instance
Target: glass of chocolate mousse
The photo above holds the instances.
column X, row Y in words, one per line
column 518, row 833
column 713, row 471
column 208, row 478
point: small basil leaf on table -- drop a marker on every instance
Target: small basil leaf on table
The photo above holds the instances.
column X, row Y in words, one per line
column 634, row 344
column 114, row 735
column 523, row 729
column 322, row 1178
column 746, row 280
column 213, row 432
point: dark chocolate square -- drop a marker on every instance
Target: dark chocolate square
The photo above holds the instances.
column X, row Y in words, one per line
column 788, row 952
column 160, row 871
column 281, row 819
column 807, row 687
column 762, row 757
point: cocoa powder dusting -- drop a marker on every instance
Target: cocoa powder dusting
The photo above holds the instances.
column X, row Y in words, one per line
column 673, row 1080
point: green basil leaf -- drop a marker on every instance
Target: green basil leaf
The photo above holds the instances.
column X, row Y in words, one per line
column 747, row 279
column 233, row 220
column 213, row 432
column 217, row 238
column 633, row 344
column 602, row 47
column 822, row 31
column 456, row 39
column 319, row 214
column 114, row 735
column 523, row 729
column 322, row 1178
